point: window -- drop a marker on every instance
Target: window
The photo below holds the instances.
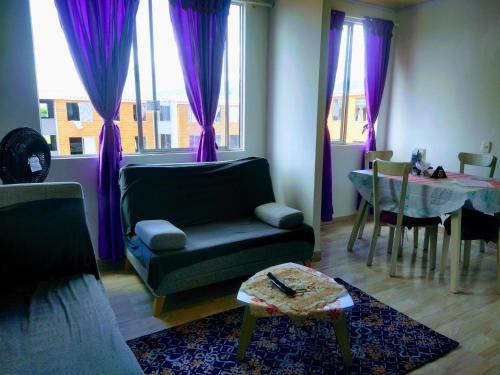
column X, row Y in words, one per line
column 164, row 113
column 166, row 141
column 73, row 111
column 143, row 112
column 234, row 141
column 51, row 141
column 76, row 145
column 348, row 107
column 360, row 114
column 46, row 108
column 144, row 143
column 117, row 117
column 163, row 99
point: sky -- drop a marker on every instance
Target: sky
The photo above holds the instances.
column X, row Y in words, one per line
column 58, row 78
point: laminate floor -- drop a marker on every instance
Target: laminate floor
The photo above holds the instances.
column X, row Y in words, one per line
column 471, row 317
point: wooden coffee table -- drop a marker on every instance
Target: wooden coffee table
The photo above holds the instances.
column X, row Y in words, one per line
column 258, row 307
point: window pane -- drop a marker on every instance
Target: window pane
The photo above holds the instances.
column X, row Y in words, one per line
column 234, row 67
column 357, row 104
column 335, row 116
column 65, row 109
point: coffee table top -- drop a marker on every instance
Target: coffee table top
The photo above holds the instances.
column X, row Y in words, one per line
column 323, row 299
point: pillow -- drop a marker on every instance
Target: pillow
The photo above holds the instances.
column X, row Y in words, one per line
column 160, row 235
column 279, row 215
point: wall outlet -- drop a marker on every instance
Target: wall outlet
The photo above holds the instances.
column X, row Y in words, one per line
column 486, row 147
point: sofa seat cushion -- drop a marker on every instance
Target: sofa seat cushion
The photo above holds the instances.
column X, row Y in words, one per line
column 213, row 240
column 65, row 326
column 278, row 215
column 160, row 235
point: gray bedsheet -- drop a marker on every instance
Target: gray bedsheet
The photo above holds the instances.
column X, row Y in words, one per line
column 62, row 327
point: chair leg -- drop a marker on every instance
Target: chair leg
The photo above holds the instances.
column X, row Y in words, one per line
column 415, row 238
column 482, row 245
column 307, row 263
column 342, row 334
column 426, row 238
column 498, row 263
column 158, row 304
column 395, row 251
column 444, row 252
column 467, row 246
column 362, row 225
column 433, row 239
column 390, row 240
column 373, row 244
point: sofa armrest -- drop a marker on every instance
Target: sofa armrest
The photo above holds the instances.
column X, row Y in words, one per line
column 279, row 215
column 160, row 235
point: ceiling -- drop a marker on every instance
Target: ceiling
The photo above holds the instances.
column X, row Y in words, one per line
column 393, row 4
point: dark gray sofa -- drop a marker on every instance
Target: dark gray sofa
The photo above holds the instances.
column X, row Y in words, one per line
column 54, row 315
column 213, row 203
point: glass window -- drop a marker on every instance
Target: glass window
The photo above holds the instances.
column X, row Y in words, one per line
column 348, row 108
column 165, row 119
column 73, row 111
column 194, row 141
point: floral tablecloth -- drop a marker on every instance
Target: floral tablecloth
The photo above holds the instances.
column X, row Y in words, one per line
column 427, row 197
column 324, row 298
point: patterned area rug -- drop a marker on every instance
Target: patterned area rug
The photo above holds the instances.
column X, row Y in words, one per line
column 383, row 341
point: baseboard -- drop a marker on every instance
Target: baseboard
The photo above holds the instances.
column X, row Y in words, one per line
column 340, row 219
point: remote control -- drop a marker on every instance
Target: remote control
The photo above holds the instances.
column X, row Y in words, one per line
column 281, row 286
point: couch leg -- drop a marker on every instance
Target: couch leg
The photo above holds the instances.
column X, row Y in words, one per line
column 127, row 265
column 158, row 304
column 308, row 263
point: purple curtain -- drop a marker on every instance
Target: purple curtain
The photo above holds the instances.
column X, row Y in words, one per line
column 99, row 35
column 200, row 29
column 336, row 24
column 378, row 34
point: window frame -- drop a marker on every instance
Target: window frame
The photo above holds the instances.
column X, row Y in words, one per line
column 157, row 149
column 346, row 85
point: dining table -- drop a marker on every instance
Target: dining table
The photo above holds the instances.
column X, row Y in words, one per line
column 429, row 197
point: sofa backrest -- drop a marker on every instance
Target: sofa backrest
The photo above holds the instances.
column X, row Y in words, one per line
column 190, row 194
column 43, row 232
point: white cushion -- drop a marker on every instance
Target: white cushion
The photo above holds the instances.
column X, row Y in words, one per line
column 279, row 215
column 160, row 235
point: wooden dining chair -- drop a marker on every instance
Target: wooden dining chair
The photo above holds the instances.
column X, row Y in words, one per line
column 386, row 155
column 477, row 160
column 370, row 157
column 397, row 222
column 475, row 225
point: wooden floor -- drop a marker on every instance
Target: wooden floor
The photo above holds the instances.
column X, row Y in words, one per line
column 471, row 317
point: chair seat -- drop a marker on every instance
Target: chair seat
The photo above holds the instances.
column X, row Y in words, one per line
column 476, row 226
column 408, row 221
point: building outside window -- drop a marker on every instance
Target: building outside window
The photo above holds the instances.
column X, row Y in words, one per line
column 51, row 141
column 164, row 113
column 59, row 83
column 234, row 141
column 194, row 141
column 360, row 109
column 336, row 109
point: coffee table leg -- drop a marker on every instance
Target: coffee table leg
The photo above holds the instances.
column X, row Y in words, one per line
column 246, row 332
column 342, row 334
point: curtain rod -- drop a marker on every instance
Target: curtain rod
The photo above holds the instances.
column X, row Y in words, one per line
column 361, row 19
column 254, row 3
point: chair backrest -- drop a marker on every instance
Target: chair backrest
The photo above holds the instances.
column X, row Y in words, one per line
column 371, row 156
column 44, row 233
column 390, row 169
column 478, row 160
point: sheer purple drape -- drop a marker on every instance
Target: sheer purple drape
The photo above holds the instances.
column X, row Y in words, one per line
column 336, row 24
column 378, row 34
column 99, row 35
column 200, row 29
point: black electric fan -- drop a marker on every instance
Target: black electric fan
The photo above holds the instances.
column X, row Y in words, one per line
column 24, row 157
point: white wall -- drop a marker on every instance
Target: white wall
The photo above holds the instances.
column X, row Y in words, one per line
column 19, row 103
column 346, row 158
column 446, row 83
column 292, row 134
